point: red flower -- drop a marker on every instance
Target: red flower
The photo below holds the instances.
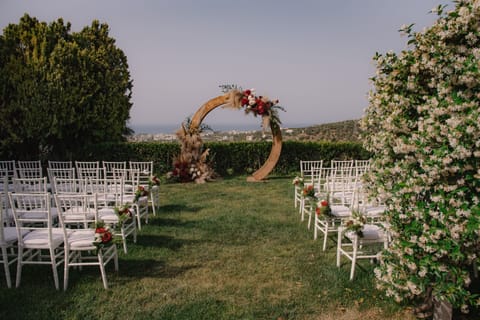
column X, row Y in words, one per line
column 247, row 92
column 244, row 101
column 106, row 237
column 100, row 230
column 324, row 203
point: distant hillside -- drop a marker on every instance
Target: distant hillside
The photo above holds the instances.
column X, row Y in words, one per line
column 348, row 130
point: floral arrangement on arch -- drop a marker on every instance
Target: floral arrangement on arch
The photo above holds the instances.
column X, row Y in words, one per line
column 103, row 235
column 256, row 105
column 422, row 127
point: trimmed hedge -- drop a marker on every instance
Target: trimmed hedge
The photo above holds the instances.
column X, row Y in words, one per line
column 231, row 157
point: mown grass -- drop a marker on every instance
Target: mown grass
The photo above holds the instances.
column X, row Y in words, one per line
column 228, row 249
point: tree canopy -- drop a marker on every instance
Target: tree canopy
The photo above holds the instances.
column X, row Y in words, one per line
column 60, row 90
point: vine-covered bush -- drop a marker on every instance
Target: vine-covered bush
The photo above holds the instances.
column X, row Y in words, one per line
column 422, row 126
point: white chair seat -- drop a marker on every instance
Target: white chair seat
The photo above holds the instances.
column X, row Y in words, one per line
column 82, row 239
column 10, row 235
column 374, row 210
column 340, row 211
column 78, row 215
column 369, row 232
column 38, row 238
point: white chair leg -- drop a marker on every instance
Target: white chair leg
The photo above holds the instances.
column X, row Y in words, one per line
column 65, row 270
column 19, row 267
column 354, row 256
column 115, row 258
column 102, row 269
column 6, row 267
column 53, row 261
column 325, row 236
column 339, row 246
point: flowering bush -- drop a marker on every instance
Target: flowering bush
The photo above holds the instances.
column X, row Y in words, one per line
column 103, row 235
column 422, row 125
column 140, row 192
column 124, row 213
column 323, row 208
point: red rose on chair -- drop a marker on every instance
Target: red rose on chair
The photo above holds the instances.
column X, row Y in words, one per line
column 106, row 237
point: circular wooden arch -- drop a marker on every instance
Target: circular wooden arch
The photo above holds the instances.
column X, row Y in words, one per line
column 272, row 160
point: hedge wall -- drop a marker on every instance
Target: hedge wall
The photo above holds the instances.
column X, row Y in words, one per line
column 231, row 157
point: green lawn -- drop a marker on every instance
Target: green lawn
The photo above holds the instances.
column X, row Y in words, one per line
column 228, row 249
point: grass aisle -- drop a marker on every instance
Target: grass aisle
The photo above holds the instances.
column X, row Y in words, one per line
column 222, row 250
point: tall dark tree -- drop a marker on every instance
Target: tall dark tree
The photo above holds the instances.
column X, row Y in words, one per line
column 60, row 91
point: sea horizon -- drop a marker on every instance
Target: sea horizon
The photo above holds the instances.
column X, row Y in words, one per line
column 172, row 128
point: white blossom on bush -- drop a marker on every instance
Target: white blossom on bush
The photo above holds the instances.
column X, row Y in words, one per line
column 423, row 127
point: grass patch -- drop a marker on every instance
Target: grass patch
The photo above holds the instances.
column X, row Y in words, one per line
column 228, row 249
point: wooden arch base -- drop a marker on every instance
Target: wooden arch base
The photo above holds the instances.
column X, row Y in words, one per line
column 272, row 160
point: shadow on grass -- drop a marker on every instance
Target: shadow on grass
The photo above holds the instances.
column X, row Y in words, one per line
column 162, row 241
column 137, row 269
column 176, row 208
column 168, row 222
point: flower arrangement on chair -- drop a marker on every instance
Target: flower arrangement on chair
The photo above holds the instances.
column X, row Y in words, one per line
column 356, row 223
column 309, row 192
column 124, row 213
column 103, row 235
column 298, row 182
column 323, row 208
column 141, row 192
column 153, row 181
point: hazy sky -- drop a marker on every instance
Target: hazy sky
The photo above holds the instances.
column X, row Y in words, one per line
column 314, row 56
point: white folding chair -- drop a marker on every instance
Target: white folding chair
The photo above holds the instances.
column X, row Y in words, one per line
column 8, row 240
column 139, row 204
column 342, row 202
column 106, row 213
column 30, row 185
column 43, row 243
column 60, row 164
column 367, row 245
column 8, row 170
column 79, row 245
column 30, row 169
column 88, row 169
column 146, row 173
column 69, row 185
column 59, row 173
column 109, row 167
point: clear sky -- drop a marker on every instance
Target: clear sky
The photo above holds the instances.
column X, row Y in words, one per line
column 315, row 56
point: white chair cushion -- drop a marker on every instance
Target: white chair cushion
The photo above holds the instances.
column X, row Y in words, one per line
column 340, row 211
column 82, row 239
column 10, row 235
column 39, row 238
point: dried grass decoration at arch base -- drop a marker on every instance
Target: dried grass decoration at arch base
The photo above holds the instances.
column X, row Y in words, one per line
column 191, row 164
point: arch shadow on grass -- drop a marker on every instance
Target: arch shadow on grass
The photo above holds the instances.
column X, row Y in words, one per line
column 162, row 241
column 176, row 208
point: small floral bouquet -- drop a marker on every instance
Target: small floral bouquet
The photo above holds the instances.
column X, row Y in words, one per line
column 103, row 235
column 124, row 213
column 141, row 192
column 308, row 192
column 258, row 105
column 323, row 208
column 153, row 181
column 356, row 223
column 298, row 182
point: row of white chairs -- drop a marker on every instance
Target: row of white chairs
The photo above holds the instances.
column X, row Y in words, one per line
column 36, row 238
column 80, row 169
column 341, row 186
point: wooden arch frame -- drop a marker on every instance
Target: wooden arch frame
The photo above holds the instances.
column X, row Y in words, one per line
column 272, row 159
